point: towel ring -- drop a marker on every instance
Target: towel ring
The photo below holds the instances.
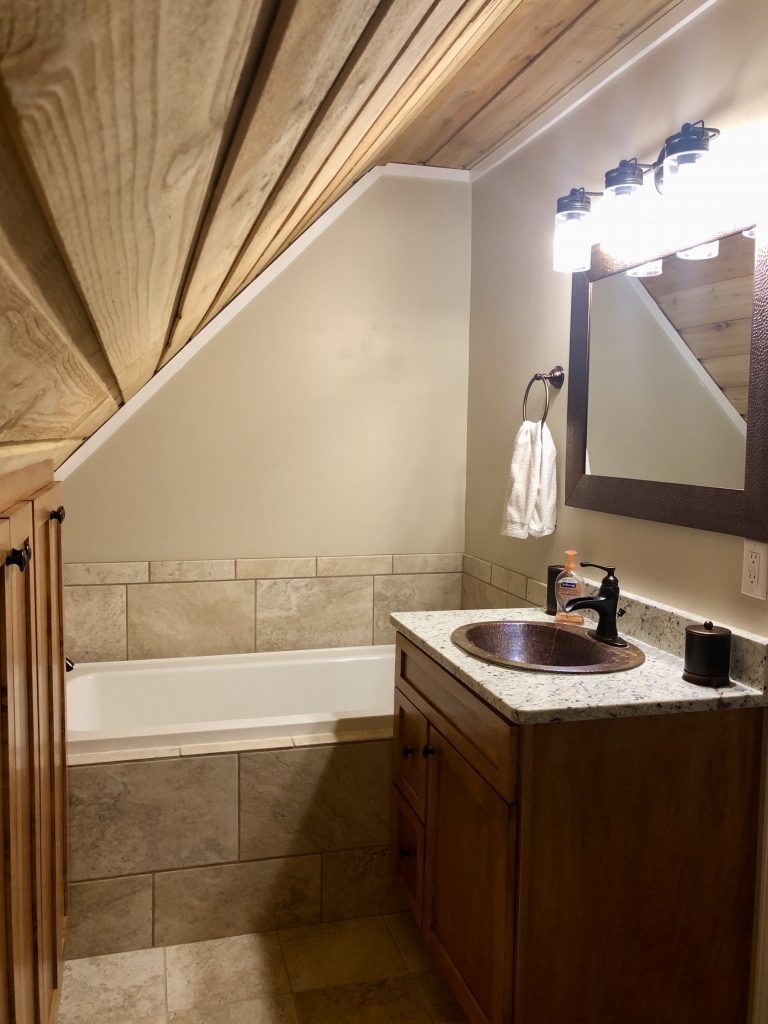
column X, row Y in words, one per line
column 555, row 377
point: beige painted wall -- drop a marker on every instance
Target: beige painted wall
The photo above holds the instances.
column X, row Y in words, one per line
column 651, row 415
column 715, row 68
column 329, row 417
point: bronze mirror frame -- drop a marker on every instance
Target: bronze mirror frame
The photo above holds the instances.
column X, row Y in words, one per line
column 743, row 513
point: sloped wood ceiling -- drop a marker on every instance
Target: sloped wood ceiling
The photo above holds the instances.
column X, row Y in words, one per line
column 157, row 155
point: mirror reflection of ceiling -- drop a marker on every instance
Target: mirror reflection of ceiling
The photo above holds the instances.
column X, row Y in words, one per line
column 669, row 370
column 709, row 303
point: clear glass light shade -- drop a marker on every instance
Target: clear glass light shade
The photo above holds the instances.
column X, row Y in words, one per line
column 653, row 269
column 707, row 251
column 572, row 248
column 621, row 219
column 684, row 172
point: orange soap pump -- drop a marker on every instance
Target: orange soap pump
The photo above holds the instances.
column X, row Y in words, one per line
column 568, row 585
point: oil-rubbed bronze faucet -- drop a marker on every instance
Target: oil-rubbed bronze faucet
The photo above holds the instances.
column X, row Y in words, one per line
column 605, row 603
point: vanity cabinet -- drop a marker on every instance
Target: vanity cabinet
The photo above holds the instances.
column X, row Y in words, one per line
column 590, row 872
column 32, row 751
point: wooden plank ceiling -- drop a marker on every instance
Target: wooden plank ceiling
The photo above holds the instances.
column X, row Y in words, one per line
column 710, row 305
column 157, row 155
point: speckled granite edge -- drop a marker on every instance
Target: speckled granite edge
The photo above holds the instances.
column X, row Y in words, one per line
column 527, row 698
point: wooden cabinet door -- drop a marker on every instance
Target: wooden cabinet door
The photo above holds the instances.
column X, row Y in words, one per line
column 49, row 769
column 408, row 853
column 409, row 769
column 18, row 681
column 469, row 883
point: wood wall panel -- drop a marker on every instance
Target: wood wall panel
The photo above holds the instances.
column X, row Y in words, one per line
column 122, row 108
column 287, row 92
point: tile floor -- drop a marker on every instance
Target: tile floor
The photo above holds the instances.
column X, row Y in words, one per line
column 366, row 971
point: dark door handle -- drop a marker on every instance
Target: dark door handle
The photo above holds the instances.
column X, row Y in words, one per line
column 427, row 751
column 58, row 514
column 405, row 853
column 18, row 557
column 408, row 751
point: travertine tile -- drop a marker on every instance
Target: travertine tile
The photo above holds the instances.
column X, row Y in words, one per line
column 176, row 620
column 312, row 799
column 408, row 940
column 507, row 580
column 94, row 623
column 114, row 989
column 192, row 570
column 536, row 593
column 222, row 971
column 275, row 568
column 234, row 899
column 475, row 594
column 427, row 563
column 271, row 1009
column 477, row 567
column 152, row 815
column 424, row 592
column 342, row 953
column 359, row 883
column 354, row 565
column 390, row 1001
column 109, row 916
column 77, row 574
column 107, row 756
column 308, row 613
column 437, row 999
column 517, row 602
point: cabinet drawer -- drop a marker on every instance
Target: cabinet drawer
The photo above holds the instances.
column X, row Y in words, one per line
column 407, row 853
column 409, row 769
column 483, row 737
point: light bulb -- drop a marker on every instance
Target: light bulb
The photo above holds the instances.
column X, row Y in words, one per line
column 707, row 251
column 572, row 249
column 653, row 269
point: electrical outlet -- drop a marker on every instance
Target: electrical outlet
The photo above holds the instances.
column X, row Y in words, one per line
column 754, row 574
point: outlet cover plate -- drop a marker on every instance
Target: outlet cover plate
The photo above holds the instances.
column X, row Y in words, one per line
column 754, row 573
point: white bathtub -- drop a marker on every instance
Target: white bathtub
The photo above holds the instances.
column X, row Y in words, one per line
column 182, row 706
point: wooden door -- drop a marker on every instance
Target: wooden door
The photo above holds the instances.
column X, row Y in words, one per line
column 409, row 768
column 49, row 768
column 469, row 883
column 408, row 853
column 17, row 639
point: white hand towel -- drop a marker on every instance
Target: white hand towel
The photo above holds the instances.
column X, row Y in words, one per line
column 531, row 500
column 544, row 518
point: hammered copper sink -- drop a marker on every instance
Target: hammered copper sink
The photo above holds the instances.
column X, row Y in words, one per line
column 544, row 647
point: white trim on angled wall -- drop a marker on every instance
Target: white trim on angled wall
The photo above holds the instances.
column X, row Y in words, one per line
column 231, row 310
column 658, row 33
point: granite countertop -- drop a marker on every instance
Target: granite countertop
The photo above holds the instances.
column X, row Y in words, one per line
column 527, row 698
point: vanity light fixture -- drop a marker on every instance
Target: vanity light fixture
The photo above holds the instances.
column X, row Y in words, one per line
column 653, row 269
column 626, row 216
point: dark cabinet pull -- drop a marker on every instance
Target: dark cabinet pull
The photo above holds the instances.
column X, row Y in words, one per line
column 427, row 751
column 408, row 751
column 19, row 557
column 58, row 514
column 405, row 853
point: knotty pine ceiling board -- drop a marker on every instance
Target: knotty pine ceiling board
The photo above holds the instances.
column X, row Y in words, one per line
column 446, row 27
column 121, row 108
column 583, row 45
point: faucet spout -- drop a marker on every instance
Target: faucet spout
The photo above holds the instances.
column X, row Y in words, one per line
column 606, row 604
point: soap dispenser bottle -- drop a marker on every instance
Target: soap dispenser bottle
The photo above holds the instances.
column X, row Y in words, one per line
column 568, row 586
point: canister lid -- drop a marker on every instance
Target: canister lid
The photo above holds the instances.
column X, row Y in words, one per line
column 707, row 629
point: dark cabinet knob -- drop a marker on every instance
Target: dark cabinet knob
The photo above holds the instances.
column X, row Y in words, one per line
column 405, row 853
column 19, row 557
column 427, row 751
column 58, row 514
column 408, row 751
column 28, row 551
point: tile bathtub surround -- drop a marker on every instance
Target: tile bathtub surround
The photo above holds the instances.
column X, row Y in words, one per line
column 370, row 971
column 165, row 609
column 179, row 850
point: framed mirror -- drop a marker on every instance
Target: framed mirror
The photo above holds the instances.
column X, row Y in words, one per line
column 668, row 388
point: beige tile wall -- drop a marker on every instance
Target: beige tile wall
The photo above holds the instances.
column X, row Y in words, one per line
column 484, row 585
column 180, row 850
column 118, row 610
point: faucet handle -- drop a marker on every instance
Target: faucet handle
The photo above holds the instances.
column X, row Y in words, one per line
column 609, row 570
